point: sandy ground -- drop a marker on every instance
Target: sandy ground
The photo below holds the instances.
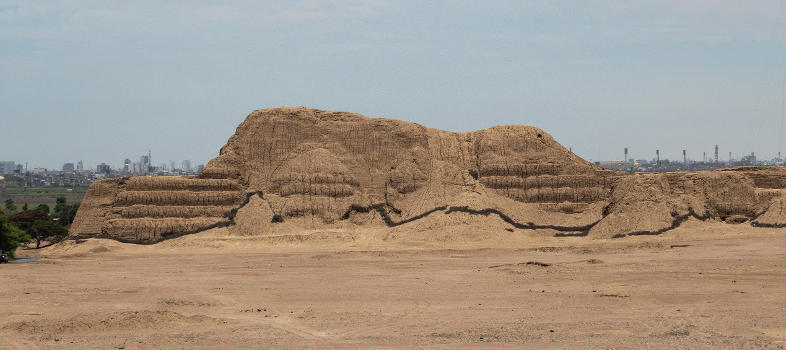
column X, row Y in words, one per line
column 700, row 286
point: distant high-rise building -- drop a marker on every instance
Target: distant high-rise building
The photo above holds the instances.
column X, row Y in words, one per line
column 144, row 164
column 68, row 167
column 186, row 166
column 626, row 155
column 80, row 166
column 7, row 167
column 127, row 167
column 103, row 168
column 172, row 165
column 716, row 153
column 199, row 168
column 749, row 159
column 685, row 157
column 657, row 156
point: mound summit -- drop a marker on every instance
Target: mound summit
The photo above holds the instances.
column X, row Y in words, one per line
column 290, row 168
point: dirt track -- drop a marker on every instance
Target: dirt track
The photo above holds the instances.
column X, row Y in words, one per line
column 722, row 291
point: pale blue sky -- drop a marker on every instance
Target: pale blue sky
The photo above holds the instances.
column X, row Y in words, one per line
column 105, row 80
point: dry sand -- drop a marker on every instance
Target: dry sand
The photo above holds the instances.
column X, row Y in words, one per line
column 702, row 285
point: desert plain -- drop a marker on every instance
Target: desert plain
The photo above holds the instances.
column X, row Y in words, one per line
column 702, row 285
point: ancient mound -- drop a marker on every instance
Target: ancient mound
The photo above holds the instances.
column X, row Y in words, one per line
column 286, row 168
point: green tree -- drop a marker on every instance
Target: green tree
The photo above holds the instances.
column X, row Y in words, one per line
column 24, row 220
column 60, row 205
column 47, row 230
column 10, row 236
column 44, row 208
column 70, row 214
column 66, row 213
column 10, row 206
column 39, row 226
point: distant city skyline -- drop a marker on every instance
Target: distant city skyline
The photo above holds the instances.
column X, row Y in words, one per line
column 188, row 164
column 105, row 81
column 114, row 165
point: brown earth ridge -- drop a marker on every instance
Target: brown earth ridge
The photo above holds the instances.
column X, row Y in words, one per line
column 288, row 169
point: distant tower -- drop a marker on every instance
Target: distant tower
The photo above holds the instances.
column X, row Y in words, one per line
column 716, row 154
column 144, row 164
column 626, row 155
column 704, row 157
column 657, row 156
column 729, row 157
column 685, row 157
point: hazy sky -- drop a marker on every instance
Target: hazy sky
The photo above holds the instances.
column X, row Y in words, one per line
column 105, row 80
